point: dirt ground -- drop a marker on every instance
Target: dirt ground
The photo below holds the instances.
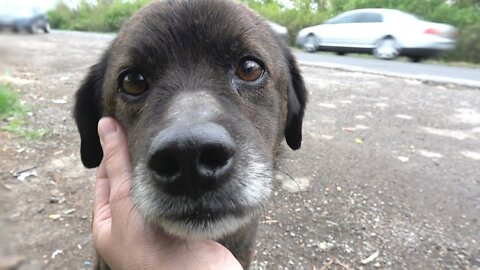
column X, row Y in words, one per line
column 388, row 176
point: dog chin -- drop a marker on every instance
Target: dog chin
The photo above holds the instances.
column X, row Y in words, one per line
column 203, row 228
column 189, row 219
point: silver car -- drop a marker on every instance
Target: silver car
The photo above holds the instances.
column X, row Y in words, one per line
column 386, row 33
column 20, row 16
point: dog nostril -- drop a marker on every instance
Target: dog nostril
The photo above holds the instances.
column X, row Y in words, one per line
column 165, row 166
column 213, row 159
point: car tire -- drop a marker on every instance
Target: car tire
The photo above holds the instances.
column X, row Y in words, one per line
column 415, row 59
column 310, row 44
column 341, row 53
column 32, row 28
column 46, row 28
column 386, row 49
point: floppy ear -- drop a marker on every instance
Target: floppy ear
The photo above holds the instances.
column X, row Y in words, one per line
column 88, row 111
column 297, row 99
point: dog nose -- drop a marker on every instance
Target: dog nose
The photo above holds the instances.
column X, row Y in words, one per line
column 192, row 161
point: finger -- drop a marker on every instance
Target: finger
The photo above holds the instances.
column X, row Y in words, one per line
column 101, row 225
column 102, row 192
column 116, row 158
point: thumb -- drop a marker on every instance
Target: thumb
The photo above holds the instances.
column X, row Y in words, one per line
column 116, row 158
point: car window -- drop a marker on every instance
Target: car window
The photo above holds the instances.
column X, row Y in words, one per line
column 370, row 17
column 348, row 18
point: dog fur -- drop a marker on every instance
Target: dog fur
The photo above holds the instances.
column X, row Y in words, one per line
column 188, row 52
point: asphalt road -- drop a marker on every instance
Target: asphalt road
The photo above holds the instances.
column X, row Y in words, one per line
column 387, row 177
column 422, row 71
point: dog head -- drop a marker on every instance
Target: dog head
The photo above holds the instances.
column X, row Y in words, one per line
column 205, row 92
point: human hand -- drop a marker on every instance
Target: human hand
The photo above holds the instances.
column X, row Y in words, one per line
column 120, row 234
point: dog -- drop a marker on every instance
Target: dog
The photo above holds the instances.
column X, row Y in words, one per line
column 206, row 93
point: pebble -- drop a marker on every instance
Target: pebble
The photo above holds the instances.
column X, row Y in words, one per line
column 54, row 216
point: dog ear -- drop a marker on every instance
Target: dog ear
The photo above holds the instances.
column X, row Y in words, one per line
column 88, row 111
column 297, row 99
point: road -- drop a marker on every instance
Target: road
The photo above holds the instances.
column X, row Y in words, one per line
column 422, row 71
column 387, row 177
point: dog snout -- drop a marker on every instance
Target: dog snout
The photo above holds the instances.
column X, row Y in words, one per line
column 190, row 161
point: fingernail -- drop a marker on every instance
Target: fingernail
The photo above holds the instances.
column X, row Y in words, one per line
column 106, row 127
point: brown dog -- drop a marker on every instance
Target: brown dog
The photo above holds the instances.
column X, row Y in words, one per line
column 206, row 93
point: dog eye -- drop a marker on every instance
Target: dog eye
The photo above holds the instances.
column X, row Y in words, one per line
column 249, row 70
column 134, row 84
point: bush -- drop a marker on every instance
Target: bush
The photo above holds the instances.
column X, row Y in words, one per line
column 294, row 19
column 468, row 45
column 120, row 11
column 104, row 16
column 61, row 16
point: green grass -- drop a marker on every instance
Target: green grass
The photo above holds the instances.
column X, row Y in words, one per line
column 15, row 116
column 9, row 104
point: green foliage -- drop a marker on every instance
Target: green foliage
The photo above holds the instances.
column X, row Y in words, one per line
column 289, row 17
column 468, row 45
column 61, row 17
column 120, row 11
column 103, row 16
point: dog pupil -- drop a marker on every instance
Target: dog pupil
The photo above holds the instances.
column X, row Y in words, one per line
column 134, row 83
column 135, row 78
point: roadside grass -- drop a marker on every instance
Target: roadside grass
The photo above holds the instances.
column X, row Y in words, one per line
column 14, row 116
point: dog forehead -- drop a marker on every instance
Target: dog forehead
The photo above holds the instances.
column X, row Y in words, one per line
column 198, row 18
column 192, row 28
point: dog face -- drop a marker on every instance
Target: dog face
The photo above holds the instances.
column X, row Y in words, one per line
column 205, row 92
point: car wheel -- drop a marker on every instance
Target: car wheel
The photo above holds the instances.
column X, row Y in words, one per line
column 33, row 28
column 387, row 49
column 415, row 59
column 46, row 28
column 310, row 43
column 341, row 53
